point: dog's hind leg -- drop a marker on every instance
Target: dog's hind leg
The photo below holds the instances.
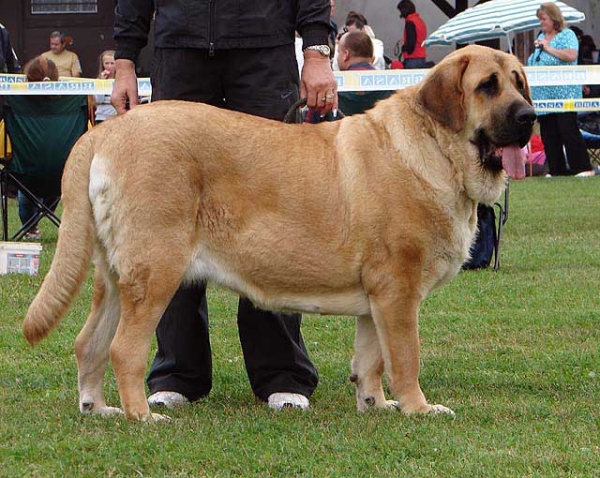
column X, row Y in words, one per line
column 396, row 319
column 367, row 367
column 145, row 291
column 93, row 342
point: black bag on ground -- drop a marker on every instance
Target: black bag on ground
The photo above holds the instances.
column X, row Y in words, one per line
column 482, row 249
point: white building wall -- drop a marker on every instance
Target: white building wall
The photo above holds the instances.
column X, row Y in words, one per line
column 384, row 18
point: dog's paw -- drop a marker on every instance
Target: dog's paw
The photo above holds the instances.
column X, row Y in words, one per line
column 391, row 405
column 370, row 403
column 109, row 411
column 146, row 417
column 441, row 409
column 427, row 409
column 86, row 407
column 89, row 407
column 430, row 410
column 157, row 417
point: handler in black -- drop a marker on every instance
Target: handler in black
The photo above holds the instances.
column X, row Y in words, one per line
column 239, row 55
column 9, row 63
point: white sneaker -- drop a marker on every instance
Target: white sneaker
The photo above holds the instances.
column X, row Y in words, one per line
column 167, row 399
column 278, row 401
column 586, row 174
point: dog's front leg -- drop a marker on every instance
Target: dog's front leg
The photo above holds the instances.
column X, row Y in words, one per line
column 396, row 321
column 367, row 367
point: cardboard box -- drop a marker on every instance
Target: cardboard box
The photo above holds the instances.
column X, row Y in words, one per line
column 20, row 257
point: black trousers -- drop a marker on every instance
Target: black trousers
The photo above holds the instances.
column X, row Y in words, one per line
column 263, row 82
column 560, row 130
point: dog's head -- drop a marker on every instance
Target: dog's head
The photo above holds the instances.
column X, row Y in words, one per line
column 483, row 93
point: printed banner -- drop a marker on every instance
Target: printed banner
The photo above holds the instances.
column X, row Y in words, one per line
column 17, row 85
column 359, row 80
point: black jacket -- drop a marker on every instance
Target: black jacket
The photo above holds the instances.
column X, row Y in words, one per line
column 218, row 24
column 9, row 62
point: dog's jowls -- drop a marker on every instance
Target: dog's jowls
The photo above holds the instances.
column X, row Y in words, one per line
column 364, row 216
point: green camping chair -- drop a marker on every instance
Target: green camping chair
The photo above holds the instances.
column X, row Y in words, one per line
column 42, row 130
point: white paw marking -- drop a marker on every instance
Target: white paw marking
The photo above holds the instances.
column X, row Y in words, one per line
column 157, row 417
column 439, row 409
column 109, row 411
column 391, row 405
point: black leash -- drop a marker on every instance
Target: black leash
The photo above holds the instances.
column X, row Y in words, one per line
column 290, row 116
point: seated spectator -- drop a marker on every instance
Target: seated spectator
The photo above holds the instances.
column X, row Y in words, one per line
column 41, row 69
column 535, row 157
column 589, row 122
column 356, row 21
column 356, row 53
column 106, row 70
column 66, row 61
column 38, row 69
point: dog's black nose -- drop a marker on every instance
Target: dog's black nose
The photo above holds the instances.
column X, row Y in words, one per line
column 525, row 115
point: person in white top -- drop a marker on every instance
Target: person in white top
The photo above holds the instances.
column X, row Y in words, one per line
column 106, row 71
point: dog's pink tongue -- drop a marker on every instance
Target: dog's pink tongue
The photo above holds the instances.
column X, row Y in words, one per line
column 512, row 162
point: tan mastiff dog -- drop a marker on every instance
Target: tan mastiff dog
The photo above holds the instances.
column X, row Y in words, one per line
column 364, row 216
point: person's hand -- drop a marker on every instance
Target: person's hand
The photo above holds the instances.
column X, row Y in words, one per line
column 563, row 54
column 125, row 89
column 542, row 43
column 105, row 74
column 318, row 84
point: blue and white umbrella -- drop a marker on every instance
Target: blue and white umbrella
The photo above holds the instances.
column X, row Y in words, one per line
column 495, row 19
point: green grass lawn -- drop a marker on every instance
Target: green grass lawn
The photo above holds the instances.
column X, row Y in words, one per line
column 514, row 353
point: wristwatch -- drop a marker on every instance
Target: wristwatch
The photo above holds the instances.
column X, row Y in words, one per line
column 322, row 49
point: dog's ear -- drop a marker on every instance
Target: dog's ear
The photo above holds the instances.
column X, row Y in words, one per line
column 527, row 93
column 441, row 93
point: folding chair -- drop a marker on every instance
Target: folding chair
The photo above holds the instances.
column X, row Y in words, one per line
column 589, row 126
column 42, row 130
column 592, row 143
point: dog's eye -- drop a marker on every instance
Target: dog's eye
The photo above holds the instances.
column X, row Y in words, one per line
column 489, row 86
column 520, row 84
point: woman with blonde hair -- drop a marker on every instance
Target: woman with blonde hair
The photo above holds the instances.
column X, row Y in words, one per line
column 106, row 71
column 558, row 46
column 106, row 65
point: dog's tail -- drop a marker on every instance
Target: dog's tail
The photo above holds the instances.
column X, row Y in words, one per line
column 73, row 251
